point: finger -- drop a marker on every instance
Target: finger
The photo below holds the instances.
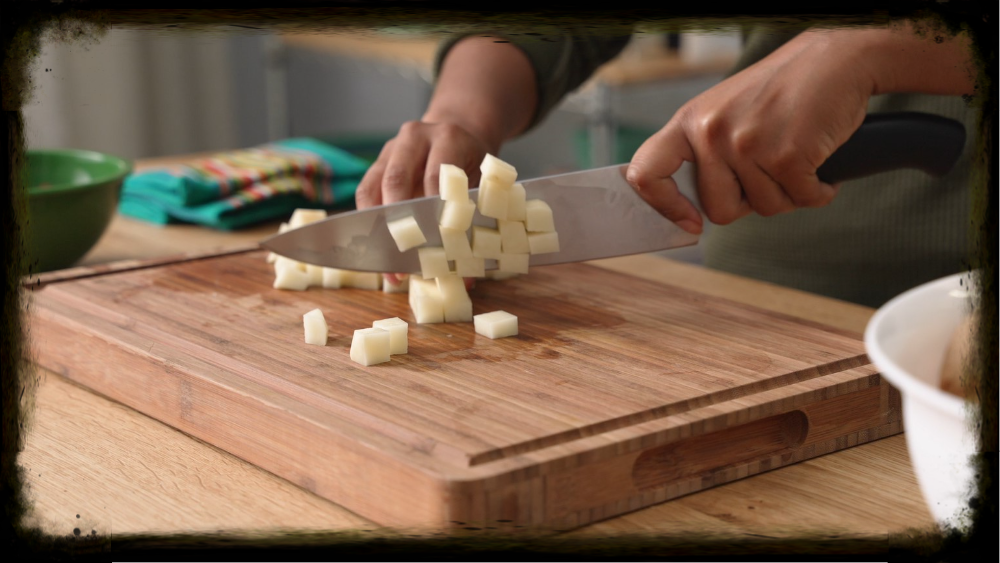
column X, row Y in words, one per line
column 805, row 189
column 763, row 194
column 404, row 172
column 445, row 151
column 722, row 196
column 369, row 191
column 651, row 174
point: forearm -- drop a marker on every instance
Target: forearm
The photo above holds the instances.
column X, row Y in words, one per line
column 486, row 87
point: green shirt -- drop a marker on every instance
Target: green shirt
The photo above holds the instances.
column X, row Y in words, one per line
column 881, row 236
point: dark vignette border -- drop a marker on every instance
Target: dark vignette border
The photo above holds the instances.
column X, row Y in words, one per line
column 22, row 24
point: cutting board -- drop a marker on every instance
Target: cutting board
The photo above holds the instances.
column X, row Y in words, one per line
column 617, row 393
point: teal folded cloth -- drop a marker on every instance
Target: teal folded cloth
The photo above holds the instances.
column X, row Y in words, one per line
column 239, row 188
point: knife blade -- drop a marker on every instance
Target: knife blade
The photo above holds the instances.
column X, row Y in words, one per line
column 597, row 214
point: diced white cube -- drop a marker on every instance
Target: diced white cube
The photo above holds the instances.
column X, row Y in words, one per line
column 402, row 287
column 420, row 287
column 516, row 203
column 315, row 327
column 433, row 262
column 291, row 278
column 514, row 239
column 538, row 217
column 365, row 280
column 370, row 346
column 428, row 309
column 470, row 267
column 516, row 263
column 406, row 232
column 397, row 329
column 456, row 243
column 498, row 324
column 543, row 243
column 271, row 257
column 283, row 262
column 458, row 311
column 486, row 243
column 493, row 167
column 334, row 278
column 458, row 214
column 451, row 286
column 453, row 184
column 302, row 217
column 493, row 199
column 315, row 274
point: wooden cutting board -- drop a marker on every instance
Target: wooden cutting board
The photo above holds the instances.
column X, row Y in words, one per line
column 618, row 393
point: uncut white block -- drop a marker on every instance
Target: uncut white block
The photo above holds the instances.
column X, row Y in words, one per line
column 397, row 329
column 302, row 217
column 453, row 184
column 543, row 243
column 370, row 346
column 516, row 200
column 365, row 280
column 406, row 232
column 315, row 327
column 470, row 267
column 515, row 263
column 498, row 324
column 402, row 287
column 456, row 243
column 493, row 199
column 513, row 237
column 315, row 274
column 493, row 167
column 457, row 214
column 433, row 262
column 271, row 257
column 538, row 217
column 334, row 278
column 291, row 278
column 486, row 243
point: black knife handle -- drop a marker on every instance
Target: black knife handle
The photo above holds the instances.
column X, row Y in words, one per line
column 891, row 141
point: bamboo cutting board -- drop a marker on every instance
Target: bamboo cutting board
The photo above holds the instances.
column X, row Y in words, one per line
column 618, row 392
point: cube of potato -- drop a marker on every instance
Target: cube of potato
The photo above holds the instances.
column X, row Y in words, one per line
column 420, row 287
column 302, row 217
column 513, row 237
column 334, row 278
column 458, row 214
column 365, row 280
column 458, row 310
column 283, row 262
column 428, row 309
column 455, row 299
column 493, row 167
column 498, row 324
column 470, row 267
column 271, row 257
column 493, row 199
column 315, row 327
column 397, row 329
column 486, row 243
column 543, row 243
column 453, row 183
column 456, row 243
column 538, row 217
column 516, row 263
column 433, row 262
column 315, row 274
column 402, row 287
column 516, row 200
column 370, row 346
column 406, row 232
column 291, row 278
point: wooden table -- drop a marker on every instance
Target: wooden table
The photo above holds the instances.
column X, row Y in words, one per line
column 97, row 465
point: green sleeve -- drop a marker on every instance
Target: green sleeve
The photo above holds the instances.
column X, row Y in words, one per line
column 562, row 61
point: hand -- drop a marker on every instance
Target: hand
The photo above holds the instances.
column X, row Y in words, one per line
column 758, row 137
column 410, row 164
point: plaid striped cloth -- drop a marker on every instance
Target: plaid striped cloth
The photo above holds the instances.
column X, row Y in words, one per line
column 235, row 189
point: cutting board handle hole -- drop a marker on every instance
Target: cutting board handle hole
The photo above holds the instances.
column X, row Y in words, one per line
column 702, row 454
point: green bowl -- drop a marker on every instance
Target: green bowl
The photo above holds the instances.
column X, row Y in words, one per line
column 72, row 196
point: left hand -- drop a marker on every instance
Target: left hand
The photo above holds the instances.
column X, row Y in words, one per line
column 758, row 137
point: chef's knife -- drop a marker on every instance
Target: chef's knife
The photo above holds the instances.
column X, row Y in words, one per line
column 598, row 214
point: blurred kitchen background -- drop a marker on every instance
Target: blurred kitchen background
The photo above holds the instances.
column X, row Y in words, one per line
column 142, row 94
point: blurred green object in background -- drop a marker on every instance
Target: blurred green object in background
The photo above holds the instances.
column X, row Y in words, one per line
column 72, row 196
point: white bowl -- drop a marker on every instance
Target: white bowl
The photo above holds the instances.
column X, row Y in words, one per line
column 907, row 340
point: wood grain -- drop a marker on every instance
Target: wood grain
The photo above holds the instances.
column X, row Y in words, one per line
column 464, row 428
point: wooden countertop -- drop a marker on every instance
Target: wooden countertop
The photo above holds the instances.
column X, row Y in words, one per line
column 97, row 465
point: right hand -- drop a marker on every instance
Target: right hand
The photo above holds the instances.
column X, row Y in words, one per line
column 409, row 165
